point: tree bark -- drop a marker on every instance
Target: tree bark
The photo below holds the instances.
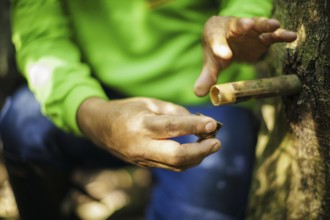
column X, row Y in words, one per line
column 292, row 172
column 9, row 76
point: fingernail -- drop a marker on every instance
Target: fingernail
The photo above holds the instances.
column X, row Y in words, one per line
column 246, row 22
column 216, row 147
column 209, row 127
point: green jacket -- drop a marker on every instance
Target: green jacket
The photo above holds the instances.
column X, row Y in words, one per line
column 139, row 47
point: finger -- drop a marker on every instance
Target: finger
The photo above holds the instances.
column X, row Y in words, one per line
column 279, row 35
column 240, row 26
column 169, row 126
column 265, row 25
column 181, row 156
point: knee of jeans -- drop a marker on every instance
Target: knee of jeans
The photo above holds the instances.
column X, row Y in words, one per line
column 23, row 128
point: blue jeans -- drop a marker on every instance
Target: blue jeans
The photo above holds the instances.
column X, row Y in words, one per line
column 214, row 190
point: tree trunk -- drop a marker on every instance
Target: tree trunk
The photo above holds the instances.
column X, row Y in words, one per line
column 9, row 76
column 292, row 172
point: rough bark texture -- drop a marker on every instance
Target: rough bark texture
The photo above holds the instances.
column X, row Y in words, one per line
column 292, row 173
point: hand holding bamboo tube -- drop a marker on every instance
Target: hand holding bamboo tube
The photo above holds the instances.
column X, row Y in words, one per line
column 234, row 92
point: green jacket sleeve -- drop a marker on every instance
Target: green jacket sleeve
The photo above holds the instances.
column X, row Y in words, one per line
column 246, row 8
column 50, row 61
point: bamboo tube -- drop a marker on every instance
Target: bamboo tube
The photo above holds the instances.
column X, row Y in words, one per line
column 234, row 92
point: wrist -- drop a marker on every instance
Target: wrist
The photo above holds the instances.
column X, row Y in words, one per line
column 88, row 113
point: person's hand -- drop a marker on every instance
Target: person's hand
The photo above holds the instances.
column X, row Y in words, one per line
column 241, row 39
column 138, row 130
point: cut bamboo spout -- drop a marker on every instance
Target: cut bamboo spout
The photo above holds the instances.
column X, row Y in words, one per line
column 234, row 92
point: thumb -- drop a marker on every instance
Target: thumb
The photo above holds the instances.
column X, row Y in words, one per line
column 207, row 78
column 214, row 59
column 222, row 51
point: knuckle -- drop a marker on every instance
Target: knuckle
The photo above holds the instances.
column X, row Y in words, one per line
column 177, row 158
column 172, row 128
column 195, row 129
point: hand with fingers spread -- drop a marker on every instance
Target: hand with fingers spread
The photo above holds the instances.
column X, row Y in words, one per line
column 138, row 130
column 227, row 39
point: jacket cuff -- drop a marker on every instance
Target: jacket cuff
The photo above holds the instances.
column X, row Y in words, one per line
column 74, row 99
